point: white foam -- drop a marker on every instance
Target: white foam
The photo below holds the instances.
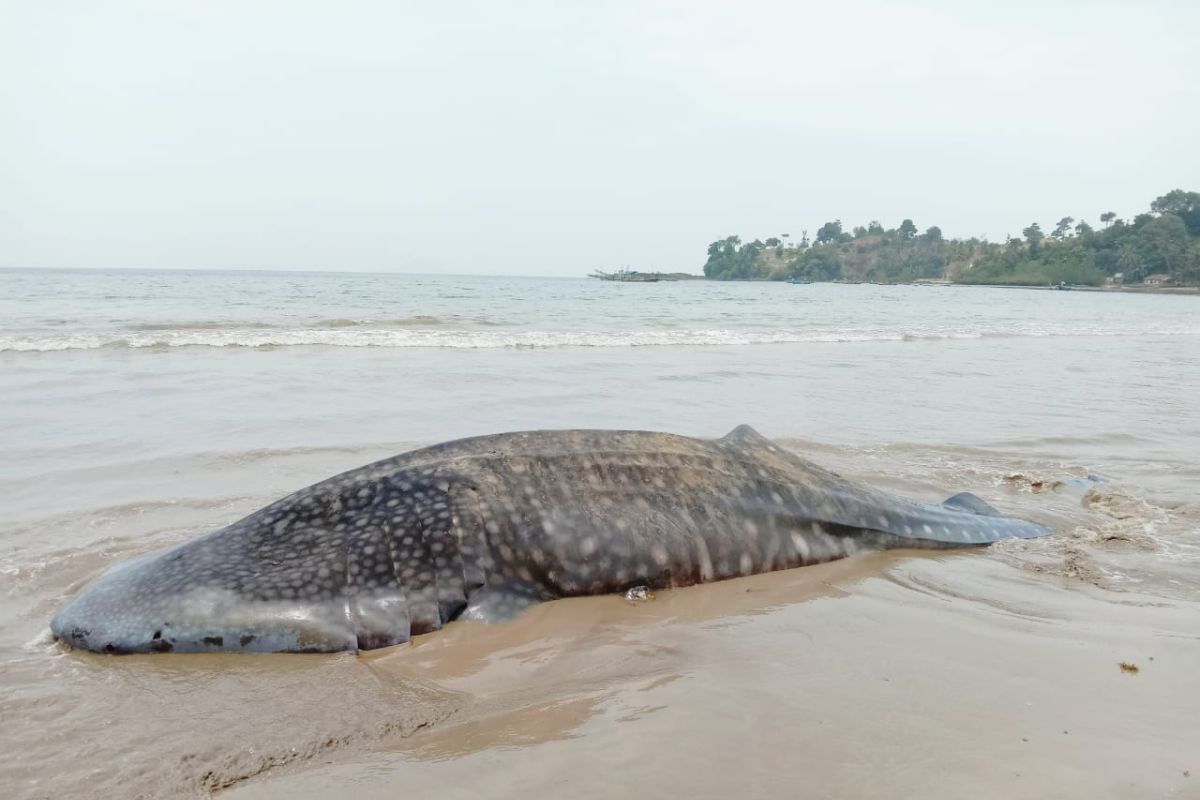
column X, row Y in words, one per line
column 475, row 339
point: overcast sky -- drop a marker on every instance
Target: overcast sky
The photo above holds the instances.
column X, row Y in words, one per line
column 554, row 138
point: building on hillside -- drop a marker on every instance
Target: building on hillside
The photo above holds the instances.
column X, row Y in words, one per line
column 1115, row 280
column 1159, row 279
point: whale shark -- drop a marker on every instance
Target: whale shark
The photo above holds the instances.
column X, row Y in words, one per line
column 482, row 528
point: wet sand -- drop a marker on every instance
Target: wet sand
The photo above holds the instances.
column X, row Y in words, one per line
column 987, row 674
column 887, row 676
column 892, row 674
column 992, row 673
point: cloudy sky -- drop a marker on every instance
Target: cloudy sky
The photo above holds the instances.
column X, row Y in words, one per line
column 553, row 138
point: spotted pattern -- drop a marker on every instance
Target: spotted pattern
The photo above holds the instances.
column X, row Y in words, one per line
column 482, row 528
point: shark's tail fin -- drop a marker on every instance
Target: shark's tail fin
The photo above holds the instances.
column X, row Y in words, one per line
column 965, row 501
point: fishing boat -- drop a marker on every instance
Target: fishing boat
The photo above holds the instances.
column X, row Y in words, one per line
column 627, row 276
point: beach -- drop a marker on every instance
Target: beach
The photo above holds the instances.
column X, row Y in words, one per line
column 141, row 409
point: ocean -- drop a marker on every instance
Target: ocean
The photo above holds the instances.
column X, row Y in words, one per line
column 140, row 408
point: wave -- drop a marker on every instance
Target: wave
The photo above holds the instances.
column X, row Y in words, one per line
column 212, row 325
column 358, row 336
column 418, row 320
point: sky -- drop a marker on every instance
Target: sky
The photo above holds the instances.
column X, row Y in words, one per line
column 553, row 138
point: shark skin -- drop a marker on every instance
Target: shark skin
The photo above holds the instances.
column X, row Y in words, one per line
column 482, row 528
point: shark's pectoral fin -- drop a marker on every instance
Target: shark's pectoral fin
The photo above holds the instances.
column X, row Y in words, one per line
column 502, row 602
column 379, row 619
column 965, row 501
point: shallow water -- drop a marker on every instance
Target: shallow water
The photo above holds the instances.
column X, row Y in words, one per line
column 140, row 409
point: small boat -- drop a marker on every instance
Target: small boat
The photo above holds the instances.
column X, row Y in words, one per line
column 627, row 276
column 799, row 282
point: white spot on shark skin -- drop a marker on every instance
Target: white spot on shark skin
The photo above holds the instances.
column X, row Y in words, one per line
column 750, row 527
column 659, row 554
column 587, row 546
column 928, row 530
column 884, row 522
column 746, row 563
column 801, row 546
column 704, row 559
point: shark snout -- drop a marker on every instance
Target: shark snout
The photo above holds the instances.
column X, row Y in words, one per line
column 141, row 606
column 111, row 615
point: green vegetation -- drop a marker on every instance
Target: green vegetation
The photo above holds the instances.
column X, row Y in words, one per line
column 1162, row 242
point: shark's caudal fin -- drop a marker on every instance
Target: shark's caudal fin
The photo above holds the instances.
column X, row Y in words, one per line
column 965, row 501
column 827, row 498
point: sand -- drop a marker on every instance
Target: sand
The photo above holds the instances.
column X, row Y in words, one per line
column 893, row 675
column 951, row 675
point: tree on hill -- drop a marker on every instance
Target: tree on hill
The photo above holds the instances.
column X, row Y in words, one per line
column 1185, row 205
column 829, row 232
column 1033, row 234
column 1166, row 239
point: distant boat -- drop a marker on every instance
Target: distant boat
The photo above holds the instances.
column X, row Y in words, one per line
column 799, row 282
column 626, row 275
column 633, row 276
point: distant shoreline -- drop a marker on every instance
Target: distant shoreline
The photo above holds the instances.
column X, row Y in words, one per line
column 652, row 277
column 1103, row 289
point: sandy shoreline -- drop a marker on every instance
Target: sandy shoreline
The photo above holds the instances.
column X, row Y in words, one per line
column 884, row 676
column 892, row 675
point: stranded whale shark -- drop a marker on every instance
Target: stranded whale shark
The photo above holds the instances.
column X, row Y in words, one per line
column 482, row 528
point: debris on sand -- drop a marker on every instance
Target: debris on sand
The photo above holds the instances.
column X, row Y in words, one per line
column 639, row 594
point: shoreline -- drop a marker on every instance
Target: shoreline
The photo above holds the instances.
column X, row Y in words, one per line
column 1002, row 682
column 680, row 277
column 1187, row 290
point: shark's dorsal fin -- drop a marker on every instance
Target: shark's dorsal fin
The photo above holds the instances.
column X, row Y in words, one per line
column 744, row 433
